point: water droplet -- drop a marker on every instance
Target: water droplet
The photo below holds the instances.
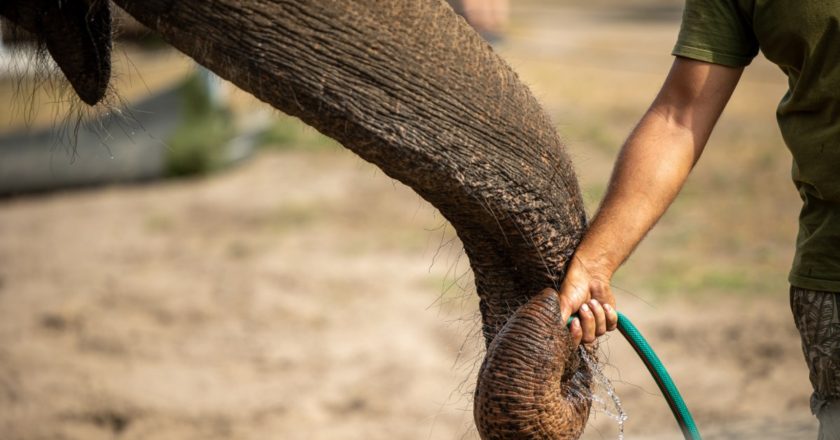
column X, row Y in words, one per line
column 604, row 398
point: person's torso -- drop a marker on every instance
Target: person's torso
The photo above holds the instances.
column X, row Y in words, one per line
column 802, row 37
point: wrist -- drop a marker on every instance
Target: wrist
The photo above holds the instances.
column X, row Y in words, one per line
column 596, row 261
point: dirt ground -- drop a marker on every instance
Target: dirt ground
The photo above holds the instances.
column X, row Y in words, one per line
column 304, row 295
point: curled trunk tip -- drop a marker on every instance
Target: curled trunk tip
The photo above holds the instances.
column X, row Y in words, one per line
column 532, row 383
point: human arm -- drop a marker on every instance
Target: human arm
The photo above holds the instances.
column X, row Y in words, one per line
column 651, row 168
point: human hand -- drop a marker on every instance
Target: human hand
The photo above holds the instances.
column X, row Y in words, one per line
column 586, row 290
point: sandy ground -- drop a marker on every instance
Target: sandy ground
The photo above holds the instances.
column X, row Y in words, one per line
column 271, row 299
column 293, row 298
column 304, row 295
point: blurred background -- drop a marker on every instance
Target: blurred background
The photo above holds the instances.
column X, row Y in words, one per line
column 194, row 264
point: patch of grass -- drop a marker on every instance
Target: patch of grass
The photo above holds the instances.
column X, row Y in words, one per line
column 289, row 133
column 593, row 192
column 451, row 291
column 198, row 145
column 238, row 250
column 397, row 239
column 724, row 279
column 686, row 277
column 596, row 134
column 158, row 223
column 294, row 216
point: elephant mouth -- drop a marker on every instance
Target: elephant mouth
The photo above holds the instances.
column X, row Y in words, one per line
column 533, row 383
column 77, row 35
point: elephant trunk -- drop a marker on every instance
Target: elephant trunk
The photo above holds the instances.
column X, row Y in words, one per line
column 530, row 384
column 410, row 87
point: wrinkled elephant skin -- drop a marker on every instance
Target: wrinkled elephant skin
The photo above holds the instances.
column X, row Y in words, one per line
column 410, row 87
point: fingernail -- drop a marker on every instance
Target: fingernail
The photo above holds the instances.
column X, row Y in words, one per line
column 607, row 307
column 594, row 302
column 585, row 308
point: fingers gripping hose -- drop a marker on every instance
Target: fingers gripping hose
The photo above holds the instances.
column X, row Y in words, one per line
column 661, row 376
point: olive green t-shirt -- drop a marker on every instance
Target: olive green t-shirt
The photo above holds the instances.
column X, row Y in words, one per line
column 802, row 37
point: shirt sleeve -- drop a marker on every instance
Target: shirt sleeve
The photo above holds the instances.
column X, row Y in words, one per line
column 716, row 31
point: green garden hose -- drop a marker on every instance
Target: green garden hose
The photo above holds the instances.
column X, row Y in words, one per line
column 661, row 376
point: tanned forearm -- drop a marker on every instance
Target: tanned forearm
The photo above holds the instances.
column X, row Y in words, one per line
column 651, row 168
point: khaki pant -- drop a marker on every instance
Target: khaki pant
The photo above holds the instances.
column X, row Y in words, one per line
column 817, row 317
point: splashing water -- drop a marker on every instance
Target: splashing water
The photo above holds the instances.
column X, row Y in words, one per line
column 602, row 394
